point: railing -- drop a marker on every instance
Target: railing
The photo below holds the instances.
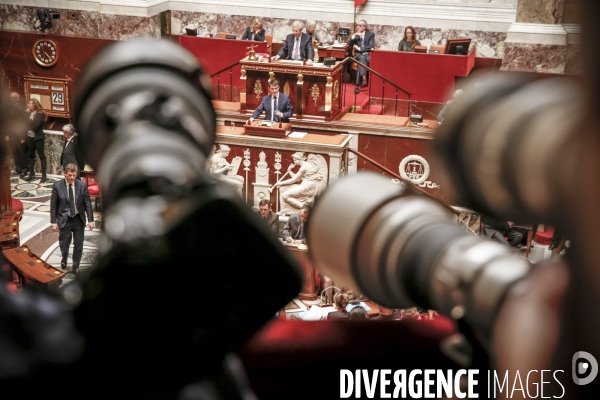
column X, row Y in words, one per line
column 218, row 75
column 348, row 60
column 397, row 176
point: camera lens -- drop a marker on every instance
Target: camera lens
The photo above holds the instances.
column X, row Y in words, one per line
column 401, row 250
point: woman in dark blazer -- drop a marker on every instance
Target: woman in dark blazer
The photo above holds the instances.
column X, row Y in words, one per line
column 409, row 41
column 36, row 138
column 255, row 31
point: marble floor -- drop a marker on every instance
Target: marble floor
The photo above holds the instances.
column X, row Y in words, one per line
column 35, row 228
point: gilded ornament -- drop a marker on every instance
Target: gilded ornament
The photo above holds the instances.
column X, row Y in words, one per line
column 315, row 93
column 257, row 89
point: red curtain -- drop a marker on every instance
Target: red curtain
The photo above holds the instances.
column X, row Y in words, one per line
column 359, row 3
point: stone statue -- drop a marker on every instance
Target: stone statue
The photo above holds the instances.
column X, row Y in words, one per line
column 312, row 176
column 221, row 168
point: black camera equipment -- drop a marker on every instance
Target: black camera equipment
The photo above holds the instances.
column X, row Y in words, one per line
column 506, row 146
column 401, row 249
column 170, row 295
column 44, row 19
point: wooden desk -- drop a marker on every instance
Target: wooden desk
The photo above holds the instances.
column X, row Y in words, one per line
column 309, row 290
column 315, row 92
column 9, row 229
column 329, row 51
column 429, row 77
column 33, row 271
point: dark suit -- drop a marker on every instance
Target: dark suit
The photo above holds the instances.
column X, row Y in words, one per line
column 283, row 104
column 364, row 54
column 272, row 220
column 59, row 214
column 36, row 143
column 249, row 35
column 72, row 154
column 497, row 229
column 306, row 47
column 295, row 228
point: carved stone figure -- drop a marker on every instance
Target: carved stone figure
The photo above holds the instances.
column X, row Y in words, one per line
column 312, row 176
column 225, row 171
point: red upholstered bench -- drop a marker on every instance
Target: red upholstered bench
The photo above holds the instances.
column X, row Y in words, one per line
column 94, row 194
column 16, row 205
column 545, row 237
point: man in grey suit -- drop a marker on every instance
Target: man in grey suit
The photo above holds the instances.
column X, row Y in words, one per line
column 363, row 43
column 276, row 106
column 71, row 153
column 294, row 230
column 297, row 46
column 69, row 205
column 272, row 219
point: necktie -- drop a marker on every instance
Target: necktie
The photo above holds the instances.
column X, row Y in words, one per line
column 297, row 49
column 362, row 42
column 71, row 201
column 275, row 107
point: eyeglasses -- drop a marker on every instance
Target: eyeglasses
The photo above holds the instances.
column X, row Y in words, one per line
column 360, row 25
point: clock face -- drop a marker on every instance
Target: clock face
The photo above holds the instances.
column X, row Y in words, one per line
column 45, row 52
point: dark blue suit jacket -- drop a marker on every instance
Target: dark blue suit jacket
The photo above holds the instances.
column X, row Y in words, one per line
column 306, row 50
column 59, row 202
column 283, row 104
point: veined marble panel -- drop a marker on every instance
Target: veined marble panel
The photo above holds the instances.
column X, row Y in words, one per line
column 540, row 11
column 534, row 58
column 80, row 23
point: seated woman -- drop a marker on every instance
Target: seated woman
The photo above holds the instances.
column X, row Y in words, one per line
column 255, row 31
column 409, row 41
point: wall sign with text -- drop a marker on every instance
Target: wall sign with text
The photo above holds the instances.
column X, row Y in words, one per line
column 52, row 93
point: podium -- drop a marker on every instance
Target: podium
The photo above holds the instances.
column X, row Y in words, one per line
column 31, row 270
column 315, row 91
column 259, row 128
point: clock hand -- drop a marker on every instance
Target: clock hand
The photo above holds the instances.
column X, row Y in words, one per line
column 46, row 54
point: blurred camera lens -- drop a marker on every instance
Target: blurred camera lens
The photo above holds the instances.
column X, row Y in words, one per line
column 504, row 144
column 401, row 250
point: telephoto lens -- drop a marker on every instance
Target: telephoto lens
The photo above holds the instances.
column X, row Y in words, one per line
column 505, row 145
column 401, row 249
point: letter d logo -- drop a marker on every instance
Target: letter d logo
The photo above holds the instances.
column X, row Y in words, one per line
column 583, row 367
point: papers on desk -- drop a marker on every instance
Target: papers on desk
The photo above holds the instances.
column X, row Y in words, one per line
column 317, row 313
column 290, row 61
column 339, row 45
column 297, row 135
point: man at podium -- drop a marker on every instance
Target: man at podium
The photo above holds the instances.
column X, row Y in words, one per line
column 276, row 106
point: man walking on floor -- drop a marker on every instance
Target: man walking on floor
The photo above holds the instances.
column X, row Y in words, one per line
column 69, row 205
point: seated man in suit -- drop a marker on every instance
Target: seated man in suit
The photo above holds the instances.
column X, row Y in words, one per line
column 69, row 205
column 71, row 153
column 362, row 42
column 276, row 106
column 297, row 46
column 294, row 230
column 272, row 219
column 497, row 229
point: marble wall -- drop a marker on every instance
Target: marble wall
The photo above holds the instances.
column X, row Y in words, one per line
column 88, row 24
column 534, row 58
column 540, row 11
column 387, row 37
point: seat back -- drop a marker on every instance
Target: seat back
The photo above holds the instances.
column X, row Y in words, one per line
column 269, row 42
column 223, row 35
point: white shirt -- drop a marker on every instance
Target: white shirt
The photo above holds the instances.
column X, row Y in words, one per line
column 297, row 45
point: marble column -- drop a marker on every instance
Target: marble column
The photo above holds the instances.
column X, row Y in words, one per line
column 538, row 41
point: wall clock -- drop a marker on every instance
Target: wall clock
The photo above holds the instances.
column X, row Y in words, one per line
column 45, row 52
